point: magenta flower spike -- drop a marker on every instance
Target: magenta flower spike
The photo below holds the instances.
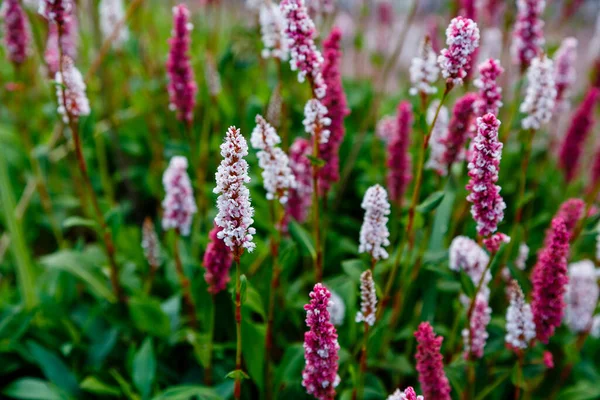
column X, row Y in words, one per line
column 321, row 347
column 305, row 57
column 564, row 71
column 430, row 366
column 57, row 11
column 179, row 204
column 217, row 261
column 337, row 110
column 490, row 92
column 462, row 38
column 458, row 129
column 571, row 211
column 476, row 335
column 493, row 243
column 300, row 199
column 488, row 206
column 528, row 34
column 407, row 394
column 549, row 280
column 398, row 157
column 182, row 86
column 579, row 130
column 17, row 33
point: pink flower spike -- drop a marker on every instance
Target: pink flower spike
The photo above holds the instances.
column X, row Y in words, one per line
column 321, row 347
column 476, row 335
column 17, row 33
column 57, row 11
column 398, row 157
column 68, row 42
column 494, row 242
column 528, row 34
column 430, row 366
column 564, row 71
column 182, row 87
column 458, row 129
column 179, row 204
column 71, row 92
column 579, row 130
column 488, row 206
column 490, row 92
column 305, row 57
column 337, row 110
column 462, row 38
column 571, row 211
column 299, row 199
column 408, row 394
column 217, row 261
column 549, row 279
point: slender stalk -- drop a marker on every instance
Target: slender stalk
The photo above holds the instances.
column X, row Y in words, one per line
column 523, row 179
column 507, row 127
column 208, row 372
column 237, row 391
column 315, row 200
column 185, row 284
column 519, row 375
column 360, row 388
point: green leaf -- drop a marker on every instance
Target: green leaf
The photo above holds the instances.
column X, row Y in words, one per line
column 583, row 390
column 148, row 316
column 53, row 368
column 32, row 389
column 467, row 284
column 237, row 374
column 187, row 393
column 92, row 384
column 144, row 368
column 319, row 162
column 353, row 268
column 243, row 288
column 431, row 202
column 78, row 221
column 498, row 259
column 302, row 237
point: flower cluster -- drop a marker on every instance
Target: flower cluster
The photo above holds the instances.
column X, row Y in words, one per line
column 462, row 38
column 387, row 126
column 321, row 347
column 374, row 233
column 476, row 335
column 150, row 243
column 70, row 92
column 111, row 13
column 430, row 366
column 299, row 198
column 17, row 34
column 182, row 87
column 305, row 57
column 488, row 206
column 581, row 296
column 493, row 243
column 466, row 255
column 235, row 210
column 57, row 11
column 490, row 92
column 564, row 70
column 337, row 110
column 217, row 261
column 68, row 43
column 272, row 30
column 368, row 299
column 570, row 211
column 458, row 129
column 437, row 147
column 541, row 93
column 277, row 174
column 408, row 394
column 316, row 120
column 549, row 279
column 424, row 70
column 179, row 205
column 520, row 329
column 398, row 156
column 528, row 34
column 579, row 130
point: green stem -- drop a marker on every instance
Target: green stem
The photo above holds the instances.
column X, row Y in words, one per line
column 237, row 391
column 315, row 200
column 208, row 373
column 185, row 285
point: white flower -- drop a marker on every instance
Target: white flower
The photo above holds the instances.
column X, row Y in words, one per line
column 277, row 174
column 520, row 328
column 462, row 38
column 436, row 141
column 581, row 296
column 272, row 29
column 235, row 214
column 111, row 12
column 179, row 205
column 424, row 70
column 315, row 120
column 374, row 233
column 491, row 43
column 386, row 128
column 565, row 72
column 336, row 308
column 466, row 255
column 540, row 95
column 595, row 331
column 73, row 86
column 368, row 299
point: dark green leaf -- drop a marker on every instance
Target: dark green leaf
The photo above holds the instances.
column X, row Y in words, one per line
column 302, row 237
column 148, row 316
column 144, row 368
column 33, row 389
column 431, row 202
column 54, row 368
column 91, row 384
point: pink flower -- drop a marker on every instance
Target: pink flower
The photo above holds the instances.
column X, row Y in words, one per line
column 385, row 12
column 179, row 204
column 68, row 42
column 494, row 242
column 476, row 335
column 182, row 87
column 462, row 38
column 520, row 329
column 150, row 243
column 321, row 347
column 71, row 92
column 368, row 299
column 217, row 261
column 549, row 280
column 398, row 157
column 579, row 130
column 488, row 206
column 564, row 70
column 337, row 110
column 57, row 11
column 458, row 130
column 430, row 364
column 528, row 35
column 548, row 360
column 490, row 93
column 17, row 34
column 570, row 211
column 305, row 57
column 408, row 394
column 299, row 199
